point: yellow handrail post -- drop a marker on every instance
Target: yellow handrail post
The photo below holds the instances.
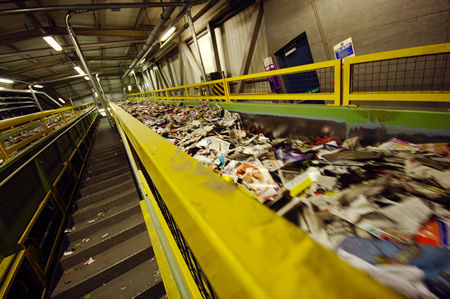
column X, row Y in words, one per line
column 346, row 84
column 3, row 152
column 186, row 90
column 338, row 83
column 226, row 89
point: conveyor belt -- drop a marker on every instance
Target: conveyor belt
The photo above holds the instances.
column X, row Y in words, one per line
column 109, row 228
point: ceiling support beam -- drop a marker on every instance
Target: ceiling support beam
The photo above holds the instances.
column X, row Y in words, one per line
column 36, row 33
column 67, row 74
column 91, row 45
column 18, row 71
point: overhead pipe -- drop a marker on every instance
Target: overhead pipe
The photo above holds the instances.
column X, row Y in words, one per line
column 60, row 79
column 30, row 87
column 53, row 100
column 176, row 34
column 92, row 79
column 89, row 7
column 148, row 48
column 151, row 38
column 100, row 85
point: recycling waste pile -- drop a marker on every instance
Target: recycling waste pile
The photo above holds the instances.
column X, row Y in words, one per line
column 10, row 138
column 382, row 208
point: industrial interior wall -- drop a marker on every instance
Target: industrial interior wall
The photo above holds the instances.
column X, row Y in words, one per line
column 174, row 63
column 115, row 97
column 236, row 34
column 373, row 25
column 233, row 39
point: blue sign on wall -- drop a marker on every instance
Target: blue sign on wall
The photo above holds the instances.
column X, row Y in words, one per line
column 344, row 49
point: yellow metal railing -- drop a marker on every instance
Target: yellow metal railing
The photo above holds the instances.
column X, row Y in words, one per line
column 243, row 249
column 33, row 127
column 53, row 192
column 223, row 89
column 407, row 92
column 396, row 83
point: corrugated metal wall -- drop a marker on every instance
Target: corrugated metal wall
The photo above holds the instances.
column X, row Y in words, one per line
column 234, row 35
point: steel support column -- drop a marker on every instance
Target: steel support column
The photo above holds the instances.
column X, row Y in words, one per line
column 197, row 47
column 212, row 35
column 251, row 47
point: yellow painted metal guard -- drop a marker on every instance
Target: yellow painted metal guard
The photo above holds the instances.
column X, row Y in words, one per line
column 193, row 290
column 17, row 123
column 343, row 79
column 167, row 276
column 228, row 97
column 245, row 249
column 163, row 265
column 413, row 96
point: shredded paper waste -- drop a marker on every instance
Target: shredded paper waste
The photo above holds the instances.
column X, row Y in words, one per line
column 384, row 209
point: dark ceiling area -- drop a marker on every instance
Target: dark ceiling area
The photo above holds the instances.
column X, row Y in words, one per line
column 115, row 38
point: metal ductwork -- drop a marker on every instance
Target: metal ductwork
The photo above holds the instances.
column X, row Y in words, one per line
column 92, row 79
column 147, row 49
column 185, row 26
column 151, row 38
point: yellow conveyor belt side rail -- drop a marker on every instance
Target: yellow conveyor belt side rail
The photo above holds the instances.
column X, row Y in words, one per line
column 243, row 248
column 46, row 122
column 416, row 74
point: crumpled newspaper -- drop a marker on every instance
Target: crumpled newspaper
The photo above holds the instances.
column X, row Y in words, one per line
column 330, row 189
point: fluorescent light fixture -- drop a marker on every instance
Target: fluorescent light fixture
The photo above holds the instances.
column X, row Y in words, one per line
column 61, row 100
column 8, row 81
column 168, row 34
column 86, row 78
column 53, row 43
column 38, row 86
column 129, row 87
column 79, row 70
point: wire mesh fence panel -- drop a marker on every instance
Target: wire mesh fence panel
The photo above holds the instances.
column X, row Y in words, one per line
column 410, row 74
column 197, row 273
column 160, row 93
column 317, row 81
column 177, row 92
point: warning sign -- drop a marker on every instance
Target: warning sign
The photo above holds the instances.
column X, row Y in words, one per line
column 344, row 49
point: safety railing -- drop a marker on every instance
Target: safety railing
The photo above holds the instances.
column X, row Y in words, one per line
column 213, row 239
column 312, row 82
column 19, row 132
column 36, row 193
column 420, row 74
